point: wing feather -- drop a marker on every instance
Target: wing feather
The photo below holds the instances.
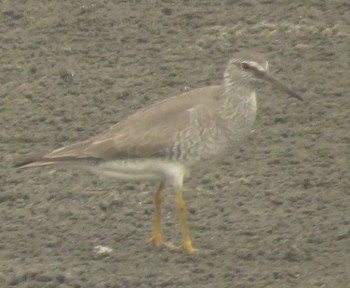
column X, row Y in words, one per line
column 147, row 132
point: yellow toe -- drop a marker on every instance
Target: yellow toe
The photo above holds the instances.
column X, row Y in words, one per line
column 187, row 246
column 155, row 240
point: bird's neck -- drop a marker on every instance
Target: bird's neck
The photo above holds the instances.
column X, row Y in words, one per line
column 238, row 110
column 238, row 98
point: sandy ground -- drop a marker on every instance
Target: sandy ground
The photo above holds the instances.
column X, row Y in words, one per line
column 274, row 214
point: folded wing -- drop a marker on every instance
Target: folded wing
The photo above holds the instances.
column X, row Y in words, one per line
column 147, row 133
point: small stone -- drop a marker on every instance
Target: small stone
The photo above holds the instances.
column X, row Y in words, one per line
column 102, row 251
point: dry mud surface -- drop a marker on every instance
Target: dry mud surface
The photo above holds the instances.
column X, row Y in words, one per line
column 275, row 213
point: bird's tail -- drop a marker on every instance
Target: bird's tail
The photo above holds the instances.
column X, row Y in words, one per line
column 32, row 161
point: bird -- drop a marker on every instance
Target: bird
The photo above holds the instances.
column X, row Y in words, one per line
column 162, row 142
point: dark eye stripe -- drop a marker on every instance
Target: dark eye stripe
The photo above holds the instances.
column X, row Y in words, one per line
column 245, row 66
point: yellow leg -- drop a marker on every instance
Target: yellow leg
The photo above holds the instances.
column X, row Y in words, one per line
column 156, row 237
column 180, row 207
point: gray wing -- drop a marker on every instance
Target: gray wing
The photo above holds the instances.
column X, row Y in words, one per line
column 147, row 133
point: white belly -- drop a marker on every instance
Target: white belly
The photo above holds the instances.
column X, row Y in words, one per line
column 143, row 170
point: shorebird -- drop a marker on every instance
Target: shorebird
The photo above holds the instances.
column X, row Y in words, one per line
column 164, row 140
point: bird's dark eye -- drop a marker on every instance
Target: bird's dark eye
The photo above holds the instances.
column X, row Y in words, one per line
column 245, row 66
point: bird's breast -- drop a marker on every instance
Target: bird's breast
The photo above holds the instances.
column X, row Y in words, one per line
column 239, row 116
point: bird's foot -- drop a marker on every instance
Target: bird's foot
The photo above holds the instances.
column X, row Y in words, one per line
column 155, row 240
column 186, row 245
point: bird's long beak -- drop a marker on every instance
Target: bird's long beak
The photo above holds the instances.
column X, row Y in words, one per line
column 267, row 78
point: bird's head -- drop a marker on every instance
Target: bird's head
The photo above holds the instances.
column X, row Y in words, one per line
column 249, row 68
